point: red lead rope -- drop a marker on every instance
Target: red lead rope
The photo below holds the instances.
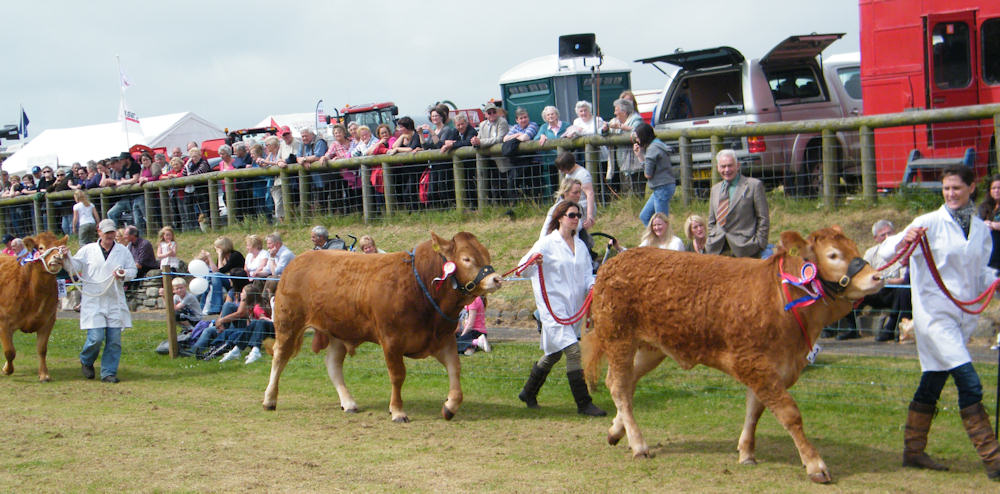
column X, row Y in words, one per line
column 984, row 297
column 584, row 310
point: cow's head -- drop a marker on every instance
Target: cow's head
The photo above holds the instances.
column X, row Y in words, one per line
column 49, row 247
column 840, row 267
column 473, row 275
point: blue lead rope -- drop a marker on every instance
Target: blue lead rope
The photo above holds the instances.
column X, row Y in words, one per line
column 423, row 288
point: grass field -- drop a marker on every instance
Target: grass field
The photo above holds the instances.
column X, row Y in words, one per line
column 188, row 426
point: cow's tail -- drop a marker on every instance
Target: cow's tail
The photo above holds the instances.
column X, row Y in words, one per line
column 593, row 354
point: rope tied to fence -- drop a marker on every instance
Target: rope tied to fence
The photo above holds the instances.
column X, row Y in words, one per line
column 925, row 246
column 573, row 319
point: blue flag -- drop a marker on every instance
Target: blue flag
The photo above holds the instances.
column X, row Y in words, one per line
column 23, row 129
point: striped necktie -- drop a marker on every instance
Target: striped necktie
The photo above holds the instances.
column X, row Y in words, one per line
column 723, row 209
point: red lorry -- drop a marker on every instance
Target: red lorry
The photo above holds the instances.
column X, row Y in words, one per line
column 929, row 54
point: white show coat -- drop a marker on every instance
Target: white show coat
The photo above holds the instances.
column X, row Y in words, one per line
column 941, row 328
column 108, row 309
column 568, row 277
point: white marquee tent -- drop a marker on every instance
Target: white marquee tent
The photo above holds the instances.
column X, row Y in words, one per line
column 62, row 147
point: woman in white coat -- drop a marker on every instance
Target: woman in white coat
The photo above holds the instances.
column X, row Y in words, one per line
column 961, row 247
column 103, row 267
column 568, row 277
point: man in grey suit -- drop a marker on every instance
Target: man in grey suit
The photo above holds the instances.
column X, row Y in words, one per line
column 738, row 218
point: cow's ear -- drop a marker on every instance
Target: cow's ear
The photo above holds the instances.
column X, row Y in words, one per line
column 29, row 243
column 837, row 229
column 794, row 244
column 441, row 245
column 63, row 240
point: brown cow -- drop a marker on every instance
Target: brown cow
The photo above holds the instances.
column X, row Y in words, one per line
column 725, row 313
column 353, row 299
column 29, row 298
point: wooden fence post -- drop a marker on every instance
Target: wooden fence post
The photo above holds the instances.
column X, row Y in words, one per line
column 166, row 218
column 36, row 206
column 481, row 196
column 829, row 169
column 868, row 177
column 388, row 185
column 229, row 188
column 716, row 144
column 104, row 205
column 592, row 158
column 147, row 203
column 49, row 216
column 366, row 193
column 168, row 302
column 213, row 204
column 286, row 195
column 303, row 193
column 687, row 181
column 458, row 169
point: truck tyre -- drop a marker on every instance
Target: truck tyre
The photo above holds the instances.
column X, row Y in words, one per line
column 809, row 177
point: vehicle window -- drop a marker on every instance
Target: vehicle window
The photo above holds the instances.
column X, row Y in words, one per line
column 950, row 52
column 991, row 51
column 799, row 83
column 850, row 78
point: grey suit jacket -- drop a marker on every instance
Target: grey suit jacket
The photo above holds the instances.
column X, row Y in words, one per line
column 747, row 224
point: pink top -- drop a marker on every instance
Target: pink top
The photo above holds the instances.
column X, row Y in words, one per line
column 479, row 322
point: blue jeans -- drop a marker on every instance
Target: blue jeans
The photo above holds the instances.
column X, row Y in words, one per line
column 209, row 334
column 659, row 202
column 219, row 286
column 135, row 205
column 112, row 338
column 970, row 389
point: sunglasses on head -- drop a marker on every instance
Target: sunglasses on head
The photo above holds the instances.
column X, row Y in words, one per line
column 574, row 216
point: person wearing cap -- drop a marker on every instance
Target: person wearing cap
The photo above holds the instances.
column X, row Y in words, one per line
column 103, row 268
column 36, row 171
column 492, row 131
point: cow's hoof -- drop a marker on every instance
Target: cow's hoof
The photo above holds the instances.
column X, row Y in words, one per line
column 402, row 419
column 350, row 410
column 748, row 461
column 821, row 477
column 270, row 407
column 8, row 369
column 612, row 440
column 447, row 414
column 641, row 454
column 44, row 379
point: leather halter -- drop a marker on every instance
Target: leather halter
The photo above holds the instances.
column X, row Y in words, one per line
column 838, row 287
column 465, row 289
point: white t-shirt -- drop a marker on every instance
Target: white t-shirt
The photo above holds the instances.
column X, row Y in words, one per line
column 162, row 249
column 85, row 214
column 675, row 243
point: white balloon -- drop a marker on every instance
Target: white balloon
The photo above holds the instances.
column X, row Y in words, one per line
column 198, row 267
column 198, row 286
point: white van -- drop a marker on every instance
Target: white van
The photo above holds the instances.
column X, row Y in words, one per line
column 718, row 87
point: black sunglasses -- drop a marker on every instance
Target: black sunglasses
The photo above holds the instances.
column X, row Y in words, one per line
column 574, row 216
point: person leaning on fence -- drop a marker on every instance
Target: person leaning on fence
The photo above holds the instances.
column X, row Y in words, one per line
column 440, row 181
column 408, row 176
column 738, row 217
column 125, row 171
column 85, row 218
column 960, row 244
column 103, row 267
column 654, row 157
column 552, row 128
column 311, row 151
column 345, row 186
column 492, row 131
column 520, row 176
column 568, row 277
column 272, row 158
column 630, row 171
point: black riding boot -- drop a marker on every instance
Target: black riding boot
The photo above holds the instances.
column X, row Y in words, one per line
column 584, row 404
column 535, row 381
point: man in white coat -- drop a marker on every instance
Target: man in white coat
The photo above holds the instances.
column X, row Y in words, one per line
column 103, row 267
column 961, row 246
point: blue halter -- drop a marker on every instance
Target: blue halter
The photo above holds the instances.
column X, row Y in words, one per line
column 423, row 288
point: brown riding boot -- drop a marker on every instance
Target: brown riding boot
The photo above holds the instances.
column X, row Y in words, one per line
column 977, row 424
column 918, row 424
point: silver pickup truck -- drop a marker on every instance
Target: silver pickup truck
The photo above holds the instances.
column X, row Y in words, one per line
column 718, row 86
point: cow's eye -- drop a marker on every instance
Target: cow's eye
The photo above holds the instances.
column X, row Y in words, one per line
column 466, row 260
